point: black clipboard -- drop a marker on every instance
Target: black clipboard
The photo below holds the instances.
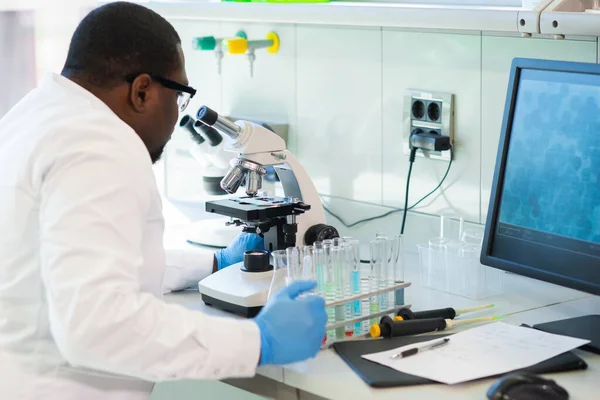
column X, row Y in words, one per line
column 380, row 376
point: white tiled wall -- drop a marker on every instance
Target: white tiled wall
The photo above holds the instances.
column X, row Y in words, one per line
column 341, row 90
column 443, row 63
column 339, row 110
column 182, row 177
column 270, row 94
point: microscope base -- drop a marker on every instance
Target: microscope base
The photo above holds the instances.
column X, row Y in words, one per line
column 247, row 312
column 236, row 291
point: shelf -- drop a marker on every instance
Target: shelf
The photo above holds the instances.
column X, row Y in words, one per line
column 389, row 15
column 568, row 17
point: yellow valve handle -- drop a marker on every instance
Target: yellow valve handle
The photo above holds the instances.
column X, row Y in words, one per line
column 275, row 47
column 237, row 45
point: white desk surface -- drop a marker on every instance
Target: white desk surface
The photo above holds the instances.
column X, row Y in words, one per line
column 524, row 301
column 528, row 301
column 330, row 377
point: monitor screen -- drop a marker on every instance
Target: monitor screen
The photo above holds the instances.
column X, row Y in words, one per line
column 544, row 217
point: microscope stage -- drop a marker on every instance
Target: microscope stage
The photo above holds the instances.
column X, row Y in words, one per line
column 256, row 208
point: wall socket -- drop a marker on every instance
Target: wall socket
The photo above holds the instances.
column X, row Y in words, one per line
column 431, row 112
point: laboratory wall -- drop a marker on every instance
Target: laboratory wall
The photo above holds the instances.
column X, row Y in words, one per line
column 34, row 40
column 341, row 91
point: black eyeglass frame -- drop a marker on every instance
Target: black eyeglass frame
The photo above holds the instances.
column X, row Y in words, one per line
column 169, row 84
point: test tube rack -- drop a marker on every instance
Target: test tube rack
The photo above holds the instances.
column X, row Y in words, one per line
column 362, row 296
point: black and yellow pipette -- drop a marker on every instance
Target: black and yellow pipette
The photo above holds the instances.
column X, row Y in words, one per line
column 405, row 314
column 388, row 327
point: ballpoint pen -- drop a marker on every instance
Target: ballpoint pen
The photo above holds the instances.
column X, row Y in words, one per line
column 418, row 349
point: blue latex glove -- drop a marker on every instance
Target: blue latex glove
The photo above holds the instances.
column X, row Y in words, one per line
column 291, row 329
column 234, row 253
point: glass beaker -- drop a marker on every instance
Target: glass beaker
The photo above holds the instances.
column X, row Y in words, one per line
column 451, row 230
column 451, row 226
column 473, row 236
column 281, row 273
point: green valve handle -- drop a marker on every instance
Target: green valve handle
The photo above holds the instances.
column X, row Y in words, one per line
column 205, row 43
column 208, row 43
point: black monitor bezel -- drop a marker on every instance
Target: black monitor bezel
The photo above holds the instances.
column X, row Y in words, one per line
column 517, row 66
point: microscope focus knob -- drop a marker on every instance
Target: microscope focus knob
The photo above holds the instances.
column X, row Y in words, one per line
column 320, row 232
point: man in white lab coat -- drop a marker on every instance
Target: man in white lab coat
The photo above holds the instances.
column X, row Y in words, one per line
column 81, row 255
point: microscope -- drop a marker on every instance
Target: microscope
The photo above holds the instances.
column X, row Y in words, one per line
column 294, row 220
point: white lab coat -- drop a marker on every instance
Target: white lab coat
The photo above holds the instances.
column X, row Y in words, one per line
column 82, row 260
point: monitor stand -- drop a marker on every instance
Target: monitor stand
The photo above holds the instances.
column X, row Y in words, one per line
column 585, row 327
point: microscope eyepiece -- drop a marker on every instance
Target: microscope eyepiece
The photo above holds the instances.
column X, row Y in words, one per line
column 211, row 134
column 208, row 116
column 187, row 123
column 223, row 125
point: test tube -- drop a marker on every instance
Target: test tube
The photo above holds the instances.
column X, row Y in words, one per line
column 329, row 284
column 383, row 249
column 319, row 262
column 293, row 261
column 390, row 269
column 375, row 277
column 398, row 267
column 337, row 261
column 365, row 287
column 307, row 264
column 354, row 270
column 345, row 275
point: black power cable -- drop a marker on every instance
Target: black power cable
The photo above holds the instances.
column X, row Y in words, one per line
column 393, row 211
column 411, row 161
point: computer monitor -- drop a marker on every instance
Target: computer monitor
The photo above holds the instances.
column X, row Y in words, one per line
column 544, row 212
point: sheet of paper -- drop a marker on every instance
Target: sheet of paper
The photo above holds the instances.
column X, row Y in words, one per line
column 476, row 353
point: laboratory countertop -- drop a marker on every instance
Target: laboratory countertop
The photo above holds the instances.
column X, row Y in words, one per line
column 524, row 301
column 330, row 377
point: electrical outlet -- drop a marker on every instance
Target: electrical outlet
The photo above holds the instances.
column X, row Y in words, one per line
column 434, row 111
column 418, row 109
column 431, row 112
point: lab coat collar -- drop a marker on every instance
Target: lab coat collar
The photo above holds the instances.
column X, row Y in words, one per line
column 51, row 79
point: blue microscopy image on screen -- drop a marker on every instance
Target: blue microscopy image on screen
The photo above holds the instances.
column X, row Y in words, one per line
column 552, row 175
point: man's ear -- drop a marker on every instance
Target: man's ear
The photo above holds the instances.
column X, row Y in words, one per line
column 140, row 92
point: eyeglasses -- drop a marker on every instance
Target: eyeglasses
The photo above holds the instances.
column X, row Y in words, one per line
column 184, row 93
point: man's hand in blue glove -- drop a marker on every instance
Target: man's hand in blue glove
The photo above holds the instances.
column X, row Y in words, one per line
column 291, row 329
column 234, row 253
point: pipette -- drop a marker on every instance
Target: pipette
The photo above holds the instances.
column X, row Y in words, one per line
column 405, row 314
column 387, row 327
